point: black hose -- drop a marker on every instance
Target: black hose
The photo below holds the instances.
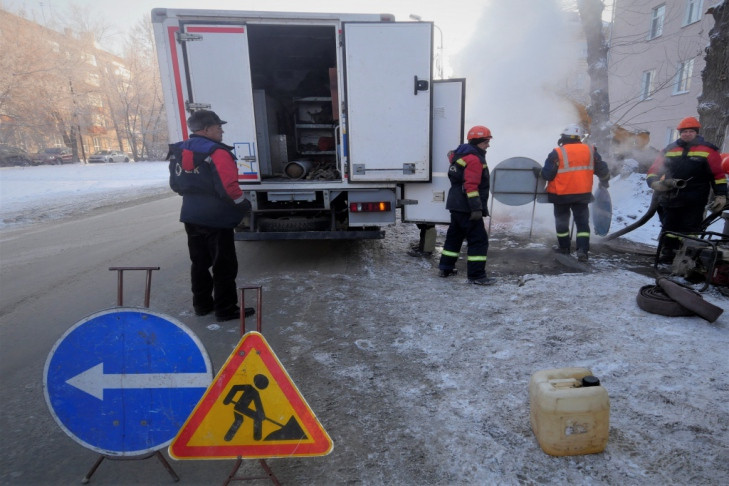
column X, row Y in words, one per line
column 643, row 220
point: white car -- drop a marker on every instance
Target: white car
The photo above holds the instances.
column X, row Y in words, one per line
column 108, row 156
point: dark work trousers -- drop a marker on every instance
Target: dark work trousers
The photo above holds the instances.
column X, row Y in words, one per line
column 212, row 248
column 474, row 232
column 581, row 214
column 685, row 219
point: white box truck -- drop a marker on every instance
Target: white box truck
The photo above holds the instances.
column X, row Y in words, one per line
column 335, row 119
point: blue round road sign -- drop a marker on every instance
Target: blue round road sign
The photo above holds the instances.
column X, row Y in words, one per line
column 124, row 380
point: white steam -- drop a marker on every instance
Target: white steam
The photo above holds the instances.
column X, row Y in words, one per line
column 521, row 54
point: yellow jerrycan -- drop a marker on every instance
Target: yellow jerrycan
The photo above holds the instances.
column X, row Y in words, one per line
column 569, row 411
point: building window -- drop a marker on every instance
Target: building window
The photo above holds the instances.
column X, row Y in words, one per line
column 657, row 17
column 646, row 84
column 683, row 77
column 97, row 143
column 671, row 135
column 693, row 11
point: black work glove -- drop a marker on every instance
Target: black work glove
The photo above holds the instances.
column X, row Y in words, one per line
column 476, row 215
column 537, row 172
column 244, row 206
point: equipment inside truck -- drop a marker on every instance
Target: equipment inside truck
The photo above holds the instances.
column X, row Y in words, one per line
column 294, row 77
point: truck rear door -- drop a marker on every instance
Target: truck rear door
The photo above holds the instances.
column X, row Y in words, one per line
column 449, row 97
column 388, row 93
column 219, row 75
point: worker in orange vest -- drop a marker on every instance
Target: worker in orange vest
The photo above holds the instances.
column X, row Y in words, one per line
column 569, row 169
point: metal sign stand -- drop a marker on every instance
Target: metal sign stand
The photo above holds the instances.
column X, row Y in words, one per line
column 119, row 302
column 269, row 472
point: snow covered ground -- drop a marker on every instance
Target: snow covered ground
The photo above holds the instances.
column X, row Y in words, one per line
column 430, row 375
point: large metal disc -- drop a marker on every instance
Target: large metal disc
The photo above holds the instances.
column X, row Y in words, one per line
column 513, row 182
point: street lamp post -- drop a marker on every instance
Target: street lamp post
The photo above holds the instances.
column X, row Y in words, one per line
column 439, row 63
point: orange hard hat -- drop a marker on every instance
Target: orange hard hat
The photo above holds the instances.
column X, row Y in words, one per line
column 689, row 122
column 478, row 131
column 725, row 162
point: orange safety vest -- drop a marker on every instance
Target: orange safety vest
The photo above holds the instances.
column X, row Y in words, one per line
column 576, row 168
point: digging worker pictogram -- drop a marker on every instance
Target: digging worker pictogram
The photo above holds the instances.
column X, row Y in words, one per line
column 249, row 396
column 467, row 202
column 569, row 169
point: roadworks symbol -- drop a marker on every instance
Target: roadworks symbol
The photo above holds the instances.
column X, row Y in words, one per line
column 252, row 409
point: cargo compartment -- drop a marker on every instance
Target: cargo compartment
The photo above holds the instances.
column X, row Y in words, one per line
column 294, row 81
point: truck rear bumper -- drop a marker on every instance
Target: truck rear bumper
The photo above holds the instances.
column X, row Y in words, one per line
column 373, row 234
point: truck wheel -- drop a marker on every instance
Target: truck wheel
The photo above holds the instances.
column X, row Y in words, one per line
column 295, row 223
column 652, row 298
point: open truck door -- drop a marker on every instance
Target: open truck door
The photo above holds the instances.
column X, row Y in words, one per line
column 388, row 100
column 449, row 98
column 217, row 64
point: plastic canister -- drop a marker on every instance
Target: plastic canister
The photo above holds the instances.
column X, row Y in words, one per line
column 569, row 411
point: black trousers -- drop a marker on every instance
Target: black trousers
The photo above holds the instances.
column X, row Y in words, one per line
column 474, row 232
column 684, row 219
column 212, row 249
column 581, row 214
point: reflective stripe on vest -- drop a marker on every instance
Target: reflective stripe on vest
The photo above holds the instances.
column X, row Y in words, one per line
column 576, row 166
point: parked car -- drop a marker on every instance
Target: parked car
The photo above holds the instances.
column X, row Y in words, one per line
column 108, row 156
column 53, row 155
column 10, row 156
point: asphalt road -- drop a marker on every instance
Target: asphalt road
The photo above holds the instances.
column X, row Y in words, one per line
column 57, row 273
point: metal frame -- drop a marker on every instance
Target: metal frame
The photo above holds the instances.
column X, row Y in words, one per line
column 269, row 474
column 119, row 302
column 704, row 237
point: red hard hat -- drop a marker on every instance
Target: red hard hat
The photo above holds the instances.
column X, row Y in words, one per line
column 725, row 162
column 689, row 122
column 478, row 131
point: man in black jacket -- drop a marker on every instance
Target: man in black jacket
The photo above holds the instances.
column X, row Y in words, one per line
column 204, row 172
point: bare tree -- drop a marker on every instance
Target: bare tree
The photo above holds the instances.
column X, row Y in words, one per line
column 597, row 67
column 714, row 100
column 135, row 96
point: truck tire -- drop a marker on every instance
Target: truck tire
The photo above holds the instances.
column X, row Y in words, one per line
column 652, row 298
column 294, row 223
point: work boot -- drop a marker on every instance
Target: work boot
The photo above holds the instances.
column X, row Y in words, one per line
column 420, row 253
column 582, row 255
column 201, row 310
column 482, row 281
column 559, row 249
column 448, row 272
column 233, row 313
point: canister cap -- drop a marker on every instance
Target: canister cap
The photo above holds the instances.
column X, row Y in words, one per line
column 590, row 380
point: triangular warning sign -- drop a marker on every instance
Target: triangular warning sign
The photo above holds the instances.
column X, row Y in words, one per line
column 252, row 409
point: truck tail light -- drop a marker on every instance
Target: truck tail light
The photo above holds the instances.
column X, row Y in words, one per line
column 369, row 207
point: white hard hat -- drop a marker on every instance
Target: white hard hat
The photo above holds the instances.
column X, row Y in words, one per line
column 573, row 130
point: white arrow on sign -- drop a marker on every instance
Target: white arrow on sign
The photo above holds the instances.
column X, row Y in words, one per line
column 93, row 381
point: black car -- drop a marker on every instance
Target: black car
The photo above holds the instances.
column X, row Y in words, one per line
column 10, row 156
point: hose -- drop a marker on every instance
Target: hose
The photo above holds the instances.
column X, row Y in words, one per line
column 643, row 220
